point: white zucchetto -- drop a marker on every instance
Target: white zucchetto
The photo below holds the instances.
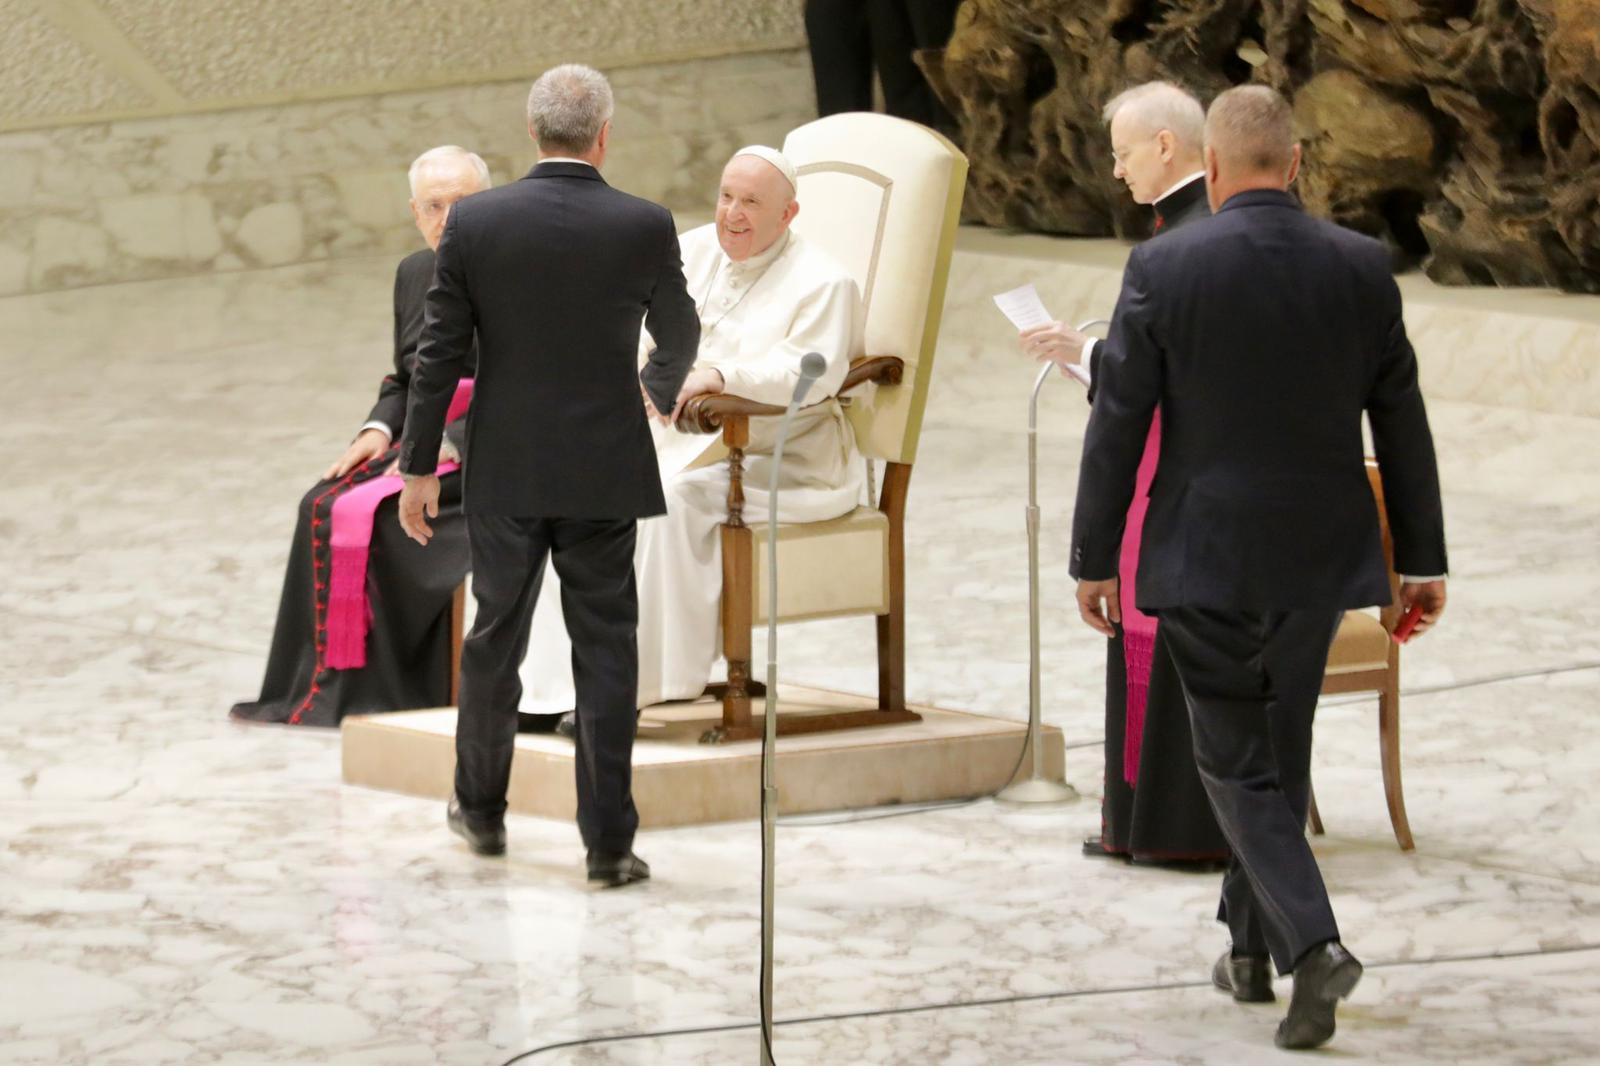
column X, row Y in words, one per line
column 776, row 158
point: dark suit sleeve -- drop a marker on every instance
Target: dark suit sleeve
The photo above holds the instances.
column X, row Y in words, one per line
column 1404, row 446
column 447, row 332
column 1094, row 368
column 391, row 406
column 1130, row 379
column 674, row 326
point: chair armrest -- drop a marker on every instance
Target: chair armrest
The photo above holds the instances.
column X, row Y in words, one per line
column 707, row 412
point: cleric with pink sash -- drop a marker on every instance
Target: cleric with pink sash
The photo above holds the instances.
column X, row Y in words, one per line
column 364, row 615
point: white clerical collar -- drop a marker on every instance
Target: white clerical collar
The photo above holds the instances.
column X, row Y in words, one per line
column 1180, row 184
column 564, row 159
column 763, row 259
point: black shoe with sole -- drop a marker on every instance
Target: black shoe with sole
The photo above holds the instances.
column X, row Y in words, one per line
column 538, row 723
column 1096, row 847
column 616, row 870
column 1248, row 978
column 485, row 836
column 1323, row 976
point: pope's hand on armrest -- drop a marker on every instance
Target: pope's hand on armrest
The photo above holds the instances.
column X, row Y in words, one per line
column 702, row 381
column 706, row 412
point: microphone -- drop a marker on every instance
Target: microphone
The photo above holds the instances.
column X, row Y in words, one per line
column 812, row 367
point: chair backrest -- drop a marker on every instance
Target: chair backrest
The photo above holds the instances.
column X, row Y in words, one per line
column 883, row 196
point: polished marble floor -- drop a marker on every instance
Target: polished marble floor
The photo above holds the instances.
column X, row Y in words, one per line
column 176, row 888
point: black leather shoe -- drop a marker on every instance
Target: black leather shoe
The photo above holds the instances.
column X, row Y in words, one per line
column 568, row 726
column 1323, row 976
column 1096, row 847
column 616, row 870
column 538, row 723
column 486, row 836
column 1248, row 978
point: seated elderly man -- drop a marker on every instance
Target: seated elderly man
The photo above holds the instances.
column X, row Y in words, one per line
column 766, row 297
column 364, row 617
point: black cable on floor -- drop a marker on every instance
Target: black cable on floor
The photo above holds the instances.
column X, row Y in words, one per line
column 1002, row 1001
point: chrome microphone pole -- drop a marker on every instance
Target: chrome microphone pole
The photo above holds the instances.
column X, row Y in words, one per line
column 812, row 366
column 1038, row 788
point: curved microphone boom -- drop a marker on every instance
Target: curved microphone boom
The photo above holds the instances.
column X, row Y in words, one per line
column 1038, row 788
column 812, row 367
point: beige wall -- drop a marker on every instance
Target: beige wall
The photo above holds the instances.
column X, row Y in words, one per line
column 153, row 138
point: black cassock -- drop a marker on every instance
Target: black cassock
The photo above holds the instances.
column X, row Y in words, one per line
column 409, row 588
column 1167, row 817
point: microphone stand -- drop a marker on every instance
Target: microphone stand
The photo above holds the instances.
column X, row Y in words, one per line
column 1038, row 788
column 812, row 366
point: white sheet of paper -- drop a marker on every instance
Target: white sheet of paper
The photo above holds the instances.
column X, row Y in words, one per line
column 1023, row 307
column 1025, row 310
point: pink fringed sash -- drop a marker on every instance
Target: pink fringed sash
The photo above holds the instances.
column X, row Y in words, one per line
column 349, row 613
column 1138, row 628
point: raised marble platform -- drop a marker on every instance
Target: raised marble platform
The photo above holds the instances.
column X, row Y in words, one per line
column 679, row 781
column 1534, row 349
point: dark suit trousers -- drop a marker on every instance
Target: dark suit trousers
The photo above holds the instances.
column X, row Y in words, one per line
column 849, row 37
column 594, row 560
column 841, row 55
column 1251, row 680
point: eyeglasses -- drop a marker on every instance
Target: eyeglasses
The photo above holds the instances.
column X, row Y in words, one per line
column 1120, row 156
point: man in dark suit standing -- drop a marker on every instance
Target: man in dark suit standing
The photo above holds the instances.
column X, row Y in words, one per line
column 1263, row 335
column 555, row 273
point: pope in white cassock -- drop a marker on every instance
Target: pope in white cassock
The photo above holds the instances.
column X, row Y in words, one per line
column 765, row 298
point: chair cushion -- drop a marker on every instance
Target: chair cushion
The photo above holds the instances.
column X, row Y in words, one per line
column 1361, row 644
column 826, row 569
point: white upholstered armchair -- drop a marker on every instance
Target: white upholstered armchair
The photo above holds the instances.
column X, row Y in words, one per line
column 883, row 196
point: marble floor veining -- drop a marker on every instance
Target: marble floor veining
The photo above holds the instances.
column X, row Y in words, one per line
column 176, row 888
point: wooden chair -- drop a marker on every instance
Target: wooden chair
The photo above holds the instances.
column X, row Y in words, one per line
column 1364, row 659
column 883, row 196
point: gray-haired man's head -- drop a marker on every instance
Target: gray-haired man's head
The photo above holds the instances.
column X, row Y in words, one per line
column 439, row 177
column 1157, row 130
column 569, row 109
column 1249, row 142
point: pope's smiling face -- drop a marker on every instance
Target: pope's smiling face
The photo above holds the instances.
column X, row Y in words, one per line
column 755, row 205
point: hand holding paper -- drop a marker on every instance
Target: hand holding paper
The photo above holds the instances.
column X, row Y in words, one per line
column 1042, row 336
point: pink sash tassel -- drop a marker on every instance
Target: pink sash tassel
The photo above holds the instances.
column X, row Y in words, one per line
column 349, row 612
column 1138, row 628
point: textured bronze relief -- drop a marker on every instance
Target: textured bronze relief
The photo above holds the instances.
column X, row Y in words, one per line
column 1464, row 133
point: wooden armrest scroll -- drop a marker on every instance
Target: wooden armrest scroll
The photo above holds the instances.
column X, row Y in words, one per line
column 707, row 412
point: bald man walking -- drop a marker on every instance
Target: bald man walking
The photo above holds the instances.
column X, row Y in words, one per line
column 1264, row 335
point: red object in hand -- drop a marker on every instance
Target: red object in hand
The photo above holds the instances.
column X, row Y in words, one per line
column 1408, row 622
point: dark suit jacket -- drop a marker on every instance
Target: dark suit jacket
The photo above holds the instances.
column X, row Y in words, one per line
column 1187, row 204
column 411, row 281
column 1263, row 334
column 556, row 272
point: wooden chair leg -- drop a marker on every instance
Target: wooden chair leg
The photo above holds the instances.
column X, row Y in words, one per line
column 737, row 586
column 1314, row 816
column 1389, row 750
column 892, row 626
column 458, row 621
